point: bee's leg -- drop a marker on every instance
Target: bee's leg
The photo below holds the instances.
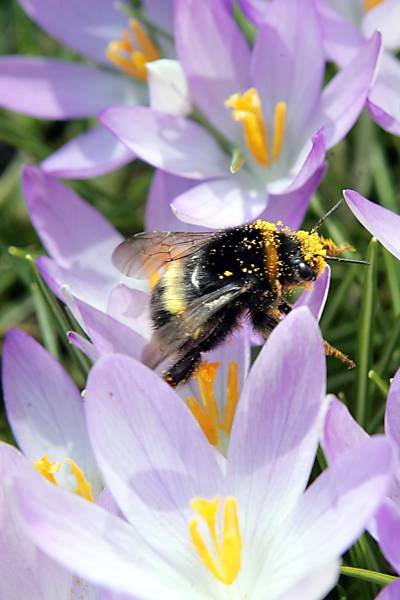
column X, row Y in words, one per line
column 182, row 370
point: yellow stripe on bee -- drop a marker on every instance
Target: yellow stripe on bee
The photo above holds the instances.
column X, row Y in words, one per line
column 269, row 233
column 173, row 300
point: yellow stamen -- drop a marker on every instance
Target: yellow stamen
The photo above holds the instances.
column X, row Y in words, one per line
column 83, row 487
column 47, row 468
column 232, row 396
column 132, row 56
column 208, row 427
column 225, row 565
column 279, row 129
column 369, row 4
column 206, row 375
column 247, row 109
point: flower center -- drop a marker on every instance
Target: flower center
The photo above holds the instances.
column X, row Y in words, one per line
column 49, row 469
column 225, row 560
column 247, row 108
column 369, row 4
column 206, row 411
column 133, row 51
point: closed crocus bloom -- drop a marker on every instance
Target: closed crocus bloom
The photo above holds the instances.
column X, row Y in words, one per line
column 266, row 103
column 197, row 525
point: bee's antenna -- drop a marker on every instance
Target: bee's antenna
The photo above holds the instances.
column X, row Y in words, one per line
column 346, row 260
column 328, row 214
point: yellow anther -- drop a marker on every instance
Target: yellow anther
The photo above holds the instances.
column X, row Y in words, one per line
column 369, row 4
column 133, row 51
column 247, row 109
column 47, row 468
column 208, row 427
column 225, row 561
column 83, row 487
column 232, row 396
column 279, row 129
column 206, row 375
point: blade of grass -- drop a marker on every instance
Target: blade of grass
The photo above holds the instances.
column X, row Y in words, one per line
column 46, row 321
column 367, row 575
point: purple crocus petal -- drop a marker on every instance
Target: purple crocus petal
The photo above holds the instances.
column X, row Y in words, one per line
column 390, row 592
column 336, row 508
column 276, row 429
column 128, row 407
column 24, row 571
column 160, row 13
column 315, row 298
column 254, row 9
column 291, row 207
column 168, row 88
column 344, row 97
column 132, row 308
column 215, row 57
column 221, row 203
column 385, row 18
column 380, row 222
column 175, row 144
column 44, row 406
column 63, row 90
column 70, row 229
column 288, row 39
column 163, row 190
column 341, row 431
column 314, row 585
column 93, row 153
column 392, row 415
column 108, row 335
column 86, row 28
column 388, row 523
column 383, row 101
column 342, row 39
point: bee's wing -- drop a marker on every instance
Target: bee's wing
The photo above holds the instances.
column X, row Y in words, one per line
column 145, row 253
column 190, row 326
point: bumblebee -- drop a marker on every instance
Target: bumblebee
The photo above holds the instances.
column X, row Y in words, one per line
column 211, row 280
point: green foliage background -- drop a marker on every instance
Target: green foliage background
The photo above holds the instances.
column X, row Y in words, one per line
column 362, row 316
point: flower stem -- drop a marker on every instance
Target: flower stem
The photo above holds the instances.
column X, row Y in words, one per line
column 366, row 575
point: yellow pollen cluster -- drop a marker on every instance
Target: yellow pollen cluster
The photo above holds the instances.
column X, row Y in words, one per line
column 48, row 469
column 225, row 562
column 247, row 109
column 132, row 56
column 313, row 249
column 207, row 412
column 369, row 4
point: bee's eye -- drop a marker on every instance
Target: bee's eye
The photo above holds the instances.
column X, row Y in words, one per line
column 305, row 271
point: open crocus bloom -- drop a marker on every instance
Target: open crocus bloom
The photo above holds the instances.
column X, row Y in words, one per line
column 111, row 308
column 197, row 526
column 121, row 50
column 266, row 102
column 342, row 433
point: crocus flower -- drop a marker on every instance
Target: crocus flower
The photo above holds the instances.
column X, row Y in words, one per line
column 122, row 52
column 265, row 102
column 111, row 308
column 276, row 539
column 381, row 222
column 341, row 433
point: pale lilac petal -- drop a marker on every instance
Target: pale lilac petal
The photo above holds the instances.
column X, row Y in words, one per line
column 132, row 308
column 342, row 39
column 385, row 17
column 25, row 572
column 215, row 57
column 175, row 144
column 277, row 425
column 254, row 9
column 341, row 431
column 90, row 154
column 108, row 335
column 315, row 298
column 219, row 204
column 306, row 165
column 392, row 415
column 163, row 190
column 383, row 101
column 71, row 230
column 315, row 585
column 168, row 88
column 291, row 207
column 62, row 90
column 390, row 592
column 160, row 13
column 336, row 508
column 380, row 222
column 388, row 523
column 344, row 97
column 288, row 39
column 109, row 552
column 133, row 413
column 86, row 27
